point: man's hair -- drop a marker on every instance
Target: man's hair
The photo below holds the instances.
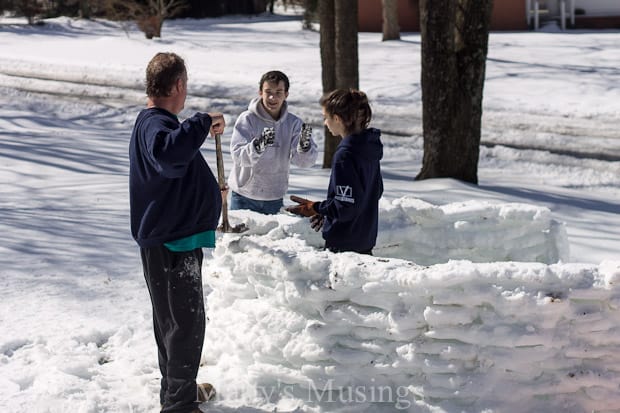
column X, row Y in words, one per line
column 351, row 105
column 162, row 73
column 274, row 76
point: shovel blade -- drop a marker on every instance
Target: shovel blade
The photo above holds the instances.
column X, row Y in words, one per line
column 237, row 229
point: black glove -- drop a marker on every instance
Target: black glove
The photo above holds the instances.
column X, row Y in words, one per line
column 316, row 222
column 304, row 138
column 267, row 138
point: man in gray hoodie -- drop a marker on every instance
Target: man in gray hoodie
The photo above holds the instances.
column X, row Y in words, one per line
column 266, row 140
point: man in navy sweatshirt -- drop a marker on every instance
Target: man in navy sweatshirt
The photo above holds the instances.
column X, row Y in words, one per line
column 175, row 204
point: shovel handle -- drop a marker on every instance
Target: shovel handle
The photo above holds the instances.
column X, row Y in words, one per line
column 221, row 180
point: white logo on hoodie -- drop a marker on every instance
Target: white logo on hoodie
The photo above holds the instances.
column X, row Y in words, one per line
column 344, row 193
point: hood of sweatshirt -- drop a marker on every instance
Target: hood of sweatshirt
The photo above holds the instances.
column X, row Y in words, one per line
column 259, row 110
column 367, row 144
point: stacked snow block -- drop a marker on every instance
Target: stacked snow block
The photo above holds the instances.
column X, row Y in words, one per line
column 472, row 230
column 292, row 325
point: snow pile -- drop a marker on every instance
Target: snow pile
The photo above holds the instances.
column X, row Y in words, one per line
column 430, row 234
column 471, row 230
column 295, row 326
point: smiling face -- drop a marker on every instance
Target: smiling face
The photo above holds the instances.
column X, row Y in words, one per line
column 334, row 124
column 273, row 96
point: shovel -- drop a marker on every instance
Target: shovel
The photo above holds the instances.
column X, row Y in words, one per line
column 225, row 226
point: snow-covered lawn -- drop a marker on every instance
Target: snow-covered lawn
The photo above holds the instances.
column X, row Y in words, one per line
column 464, row 307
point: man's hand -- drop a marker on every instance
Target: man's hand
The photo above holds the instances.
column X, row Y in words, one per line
column 267, row 138
column 304, row 209
column 217, row 123
column 304, row 138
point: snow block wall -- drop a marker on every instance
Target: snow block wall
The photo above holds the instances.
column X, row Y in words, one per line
column 476, row 231
column 292, row 325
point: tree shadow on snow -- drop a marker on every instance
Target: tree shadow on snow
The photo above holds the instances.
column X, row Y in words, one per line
column 546, row 197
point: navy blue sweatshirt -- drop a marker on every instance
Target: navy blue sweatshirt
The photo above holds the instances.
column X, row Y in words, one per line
column 355, row 186
column 172, row 191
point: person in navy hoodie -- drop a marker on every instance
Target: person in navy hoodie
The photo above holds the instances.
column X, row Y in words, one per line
column 175, row 205
column 350, row 214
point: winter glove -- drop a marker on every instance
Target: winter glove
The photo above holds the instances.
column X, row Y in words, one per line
column 316, row 222
column 305, row 207
column 304, row 138
column 267, row 138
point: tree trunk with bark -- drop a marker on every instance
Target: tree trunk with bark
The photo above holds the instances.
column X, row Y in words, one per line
column 31, row 9
column 455, row 37
column 391, row 29
column 328, row 68
column 339, row 57
column 347, row 62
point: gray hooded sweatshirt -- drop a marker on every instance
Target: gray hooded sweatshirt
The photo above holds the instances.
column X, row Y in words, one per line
column 264, row 176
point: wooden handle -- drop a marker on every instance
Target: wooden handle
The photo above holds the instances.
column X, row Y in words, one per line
column 221, row 178
column 225, row 227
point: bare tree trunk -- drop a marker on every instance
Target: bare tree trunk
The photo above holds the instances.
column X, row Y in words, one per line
column 84, row 11
column 391, row 30
column 339, row 57
column 347, row 67
column 328, row 68
column 30, row 9
column 455, row 37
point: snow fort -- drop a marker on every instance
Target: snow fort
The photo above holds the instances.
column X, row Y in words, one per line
column 465, row 307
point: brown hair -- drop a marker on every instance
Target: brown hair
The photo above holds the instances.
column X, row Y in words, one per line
column 162, row 73
column 274, row 76
column 351, row 105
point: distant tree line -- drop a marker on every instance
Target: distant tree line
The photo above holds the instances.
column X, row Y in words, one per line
column 148, row 14
column 35, row 10
column 100, row 8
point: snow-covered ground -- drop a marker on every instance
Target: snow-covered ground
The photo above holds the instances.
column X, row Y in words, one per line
column 497, row 297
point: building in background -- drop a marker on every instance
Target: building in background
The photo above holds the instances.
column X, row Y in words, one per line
column 509, row 14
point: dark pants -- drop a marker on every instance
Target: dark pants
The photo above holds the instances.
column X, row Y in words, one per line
column 238, row 201
column 336, row 250
column 174, row 280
